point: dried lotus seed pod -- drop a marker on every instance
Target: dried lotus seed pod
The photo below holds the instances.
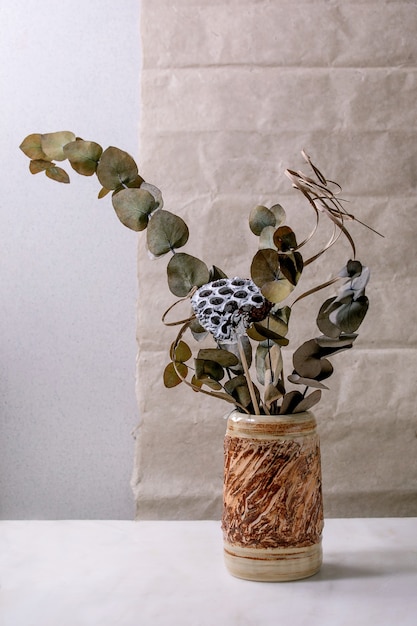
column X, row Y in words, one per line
column 227, row 307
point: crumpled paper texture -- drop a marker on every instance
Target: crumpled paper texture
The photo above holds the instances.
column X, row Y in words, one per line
column 231, row 93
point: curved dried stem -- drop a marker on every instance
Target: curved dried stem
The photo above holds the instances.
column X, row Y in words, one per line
column 169, row 309
column 315, row 289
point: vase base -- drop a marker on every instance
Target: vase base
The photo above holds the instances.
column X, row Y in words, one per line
column 273, row 564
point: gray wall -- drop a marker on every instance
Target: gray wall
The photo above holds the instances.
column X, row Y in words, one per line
column 68, row 285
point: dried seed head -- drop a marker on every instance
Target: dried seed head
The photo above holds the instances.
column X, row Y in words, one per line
column 227, row 307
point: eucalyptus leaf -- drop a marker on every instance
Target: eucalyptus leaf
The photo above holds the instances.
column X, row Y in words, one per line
column 307, row 360
column 290, row 401
column 308, row 402
column 272, row 394
column 277, row 291
column 103, row 193
column 284, row 239
column 206, row 380
column 238, row 388
column 53, row 144
column 266, row 274
column 154, row 191
column 31, row 146
column 268, row 356
column 233, row 348
column 222, row 357
column 133, row 207
column 279, row 213
column 166, row 232
column 39, row 165
column 324, row 324
column 83, row 156
column 198, row 332
column 170, row 376
column 260, row 331
column 208, row 368
column 351, row 269
column 291, row 265
column 180, row 352
column 266, row 238
column 116, row 167
column 185, row 272
column 259, row 218
column 348, row 317
column 58, row 174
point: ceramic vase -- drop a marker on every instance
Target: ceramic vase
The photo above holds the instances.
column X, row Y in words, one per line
column 272, row 501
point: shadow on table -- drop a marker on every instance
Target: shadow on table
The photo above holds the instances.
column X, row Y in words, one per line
column 368, row 564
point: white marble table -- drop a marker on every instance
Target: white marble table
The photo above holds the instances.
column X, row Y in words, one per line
column 112, row 573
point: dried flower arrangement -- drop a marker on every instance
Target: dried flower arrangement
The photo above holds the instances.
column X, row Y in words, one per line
column 242, row 315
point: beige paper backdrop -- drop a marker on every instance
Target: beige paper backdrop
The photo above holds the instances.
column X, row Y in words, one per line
column 231, row 92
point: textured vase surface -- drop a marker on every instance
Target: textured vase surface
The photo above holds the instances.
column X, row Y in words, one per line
column 272, row 501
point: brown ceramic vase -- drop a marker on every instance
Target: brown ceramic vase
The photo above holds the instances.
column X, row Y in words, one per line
column 272, row 502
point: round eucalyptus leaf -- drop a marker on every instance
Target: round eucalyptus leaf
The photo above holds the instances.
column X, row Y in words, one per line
column 285, row 239
column 39, row 165
column 222, row 357
column 155, row 191
column 180, row 352
column 277, row 291
column 278, row 320
column 171, row 377
column 268, row 357
column 265, row 267
column 259, row 218
column 266, row 273
column 185, row 272
column 308, row 401
column 238, row 388
column 324, row 324
column 306, row 360
column 207, row 368
column 53, row 144
column 116, row 167
column 290, row 401
column 279, row 213
column 166, row 232
column 351, row 269
column 31, row 146
column 58, row 174
column 266, row 238
column 83, row 156
column 260, row 331
column 133, row 207
column 348, row 317
column 206, row 380
column 291, row 265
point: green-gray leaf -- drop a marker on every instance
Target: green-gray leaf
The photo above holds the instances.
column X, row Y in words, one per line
column 133, row 207
column 185, row 272
column 166, row 232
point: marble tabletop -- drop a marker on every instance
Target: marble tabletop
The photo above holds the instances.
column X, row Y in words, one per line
column 122, row 573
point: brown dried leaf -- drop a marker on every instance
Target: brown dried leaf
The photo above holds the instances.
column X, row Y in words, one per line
column 308, row 402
